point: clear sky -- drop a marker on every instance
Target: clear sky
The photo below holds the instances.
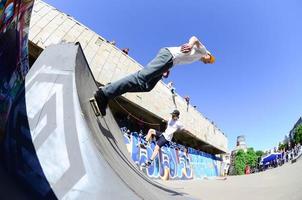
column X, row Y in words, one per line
column 254, row 88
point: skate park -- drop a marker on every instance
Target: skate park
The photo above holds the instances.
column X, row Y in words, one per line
column 55, row 146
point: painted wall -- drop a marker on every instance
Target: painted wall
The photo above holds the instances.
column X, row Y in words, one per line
column 173, row 163
column 18, row 153
column 14, row 26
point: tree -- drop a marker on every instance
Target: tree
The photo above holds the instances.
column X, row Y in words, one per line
column 240, row 162
column 281, row 146
column 251, row 157
column 243, row 159
column 286, row 142
column 259, row 153
column 298, row 134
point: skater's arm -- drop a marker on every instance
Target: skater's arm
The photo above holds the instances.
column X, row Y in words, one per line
column 194, row 41
column 185, row 48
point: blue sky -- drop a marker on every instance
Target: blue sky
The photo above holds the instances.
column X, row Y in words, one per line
column 254, row 88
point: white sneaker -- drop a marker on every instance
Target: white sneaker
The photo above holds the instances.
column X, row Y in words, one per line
column 146, row 164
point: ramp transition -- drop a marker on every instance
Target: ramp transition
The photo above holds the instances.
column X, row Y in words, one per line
column 65, row 150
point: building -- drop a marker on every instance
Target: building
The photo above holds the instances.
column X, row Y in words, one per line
column 292, row 131
column 240, row 145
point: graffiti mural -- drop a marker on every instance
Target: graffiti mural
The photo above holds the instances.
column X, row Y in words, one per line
column 14, row 27
column 18, row 155
column 174, row 162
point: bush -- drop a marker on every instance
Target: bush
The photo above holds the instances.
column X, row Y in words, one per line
column 259, row 153
column 251, row 157
column 240, row 162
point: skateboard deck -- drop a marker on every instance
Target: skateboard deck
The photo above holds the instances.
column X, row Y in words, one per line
column 95, row 106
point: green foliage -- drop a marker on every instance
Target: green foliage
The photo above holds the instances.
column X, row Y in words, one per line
column 298, row 134
column 251, row 157
column 242, row 159
column 259, row 153
column 281, row 146
column 240, row 162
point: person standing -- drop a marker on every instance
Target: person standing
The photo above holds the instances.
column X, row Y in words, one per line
column 187, row 99
column 172, row 89
column 173, row 126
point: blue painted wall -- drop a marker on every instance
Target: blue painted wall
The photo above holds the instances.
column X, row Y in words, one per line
column 173, row 163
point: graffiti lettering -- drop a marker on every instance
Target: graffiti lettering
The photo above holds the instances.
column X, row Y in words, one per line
column 172, row 163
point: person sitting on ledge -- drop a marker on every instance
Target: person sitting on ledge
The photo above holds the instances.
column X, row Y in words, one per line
column 145, row 79
column 125, row 50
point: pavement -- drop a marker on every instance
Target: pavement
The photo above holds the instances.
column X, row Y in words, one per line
column 275, row 184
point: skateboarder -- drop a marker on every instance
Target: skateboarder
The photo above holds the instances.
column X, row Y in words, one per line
column 173, row 125
column 145, row 79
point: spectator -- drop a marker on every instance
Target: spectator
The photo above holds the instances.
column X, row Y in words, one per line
column 125, row 50
column 187, row 99
column 141, row 124
column 172, row 89
column 112, row 42
column 130, row 123
column 286, row 156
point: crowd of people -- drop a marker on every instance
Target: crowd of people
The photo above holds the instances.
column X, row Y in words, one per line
column 279, row 158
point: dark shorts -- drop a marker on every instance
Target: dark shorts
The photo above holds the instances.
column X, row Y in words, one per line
column 160, row 139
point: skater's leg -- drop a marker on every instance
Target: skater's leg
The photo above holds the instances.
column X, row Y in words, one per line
column 143, row 80
column 150, row 133
column 159, row 65
column 151, row 84
column 155, row 152
column 160, row 142
column 131, row 83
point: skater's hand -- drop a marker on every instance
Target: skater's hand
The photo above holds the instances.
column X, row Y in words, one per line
column 166, row 74
column 186, row 48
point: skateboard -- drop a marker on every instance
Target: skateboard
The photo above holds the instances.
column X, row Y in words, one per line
column 95, row 107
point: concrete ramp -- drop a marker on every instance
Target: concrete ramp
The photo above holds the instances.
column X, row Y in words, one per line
column 76, row 154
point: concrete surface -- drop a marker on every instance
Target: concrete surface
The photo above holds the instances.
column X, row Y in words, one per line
column 282, row 183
